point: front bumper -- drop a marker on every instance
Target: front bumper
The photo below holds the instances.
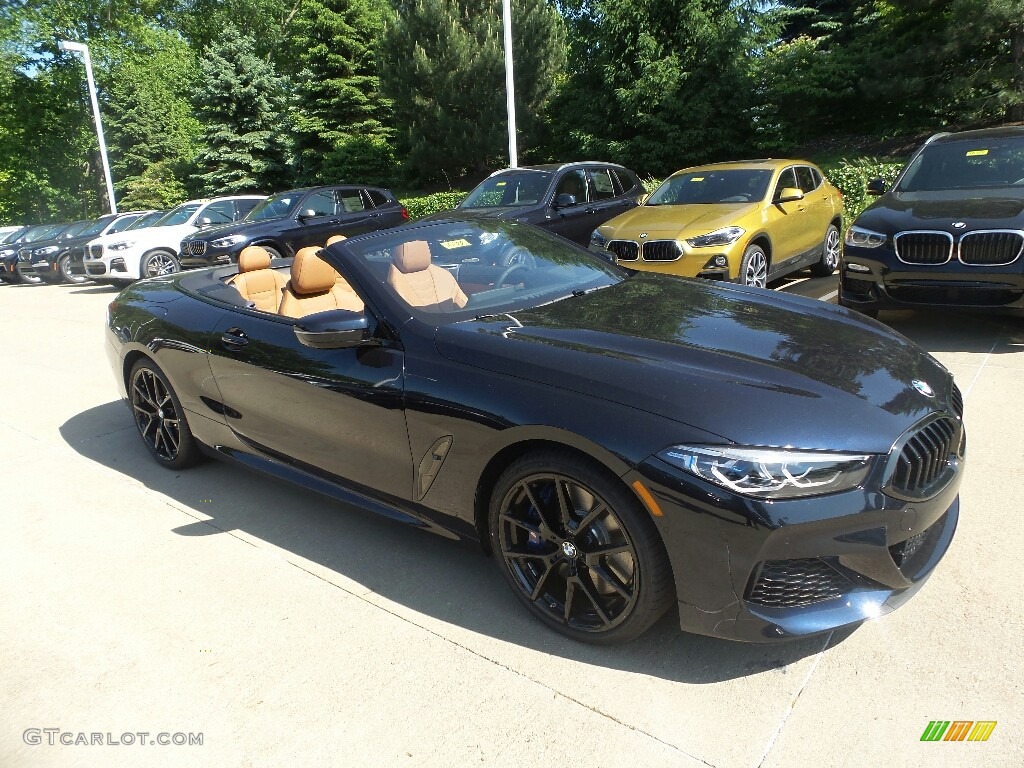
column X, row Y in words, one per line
column 890, row 284
column 693, row 262
column 210, row 257
column 111, row 268
column 760, row 571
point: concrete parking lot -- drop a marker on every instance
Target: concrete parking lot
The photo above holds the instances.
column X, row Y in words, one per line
column 287, row 629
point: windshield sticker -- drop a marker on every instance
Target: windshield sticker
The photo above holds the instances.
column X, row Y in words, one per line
column 977, row 152
column 453, row 244
column 697, row 178
column 500, row 183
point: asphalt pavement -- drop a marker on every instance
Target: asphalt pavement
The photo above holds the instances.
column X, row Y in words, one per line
column 140, row 605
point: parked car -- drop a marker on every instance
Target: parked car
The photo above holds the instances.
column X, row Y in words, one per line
column 6, row 232
column 153, row 251
column 568, row 199
column 950, row 232
column 15, row 266
column 288, row 221
column 52, row 243
column 746, row 222
column 62, row 260
column 614, row 440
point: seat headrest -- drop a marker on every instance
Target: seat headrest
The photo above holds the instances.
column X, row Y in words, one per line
column 310, row 273
column 253, row 257
column 334, row 239
column 413, row 256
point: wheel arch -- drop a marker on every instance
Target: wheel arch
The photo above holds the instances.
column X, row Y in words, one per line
column 762, row 239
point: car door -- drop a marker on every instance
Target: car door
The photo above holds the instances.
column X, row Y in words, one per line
column 572, row 221
column 818, row 209
column 338, row 411
column 607, row 201
column 785, row 223
column 315, row 220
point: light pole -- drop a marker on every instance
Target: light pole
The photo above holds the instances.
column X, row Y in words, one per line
column 67, row 45
column 510, row 86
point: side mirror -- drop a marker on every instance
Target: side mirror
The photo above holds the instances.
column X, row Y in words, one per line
column 789, row 194
column 309, row 213
column 335, row 329
column 565, row 200
column 876, row 187
column 204, row 222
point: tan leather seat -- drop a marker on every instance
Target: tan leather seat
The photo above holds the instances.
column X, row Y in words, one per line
column 334, row 239
column 421, row 284
column 316, row 286
column 256, row 281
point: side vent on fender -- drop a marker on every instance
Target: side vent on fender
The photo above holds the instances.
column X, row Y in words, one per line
column 430, row 465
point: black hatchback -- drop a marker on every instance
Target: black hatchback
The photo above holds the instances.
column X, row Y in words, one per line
column 288, row 221
column 568, row 199
column 950, row 233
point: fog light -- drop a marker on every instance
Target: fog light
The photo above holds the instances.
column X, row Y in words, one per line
column 854, row 267
column 717, row 262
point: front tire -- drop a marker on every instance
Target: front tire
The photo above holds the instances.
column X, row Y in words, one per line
column 158, row 263
column 830, row 250
column 578, row 549
column 160, row 418
column 66, row 274
column 754, row 267
column 27, row 278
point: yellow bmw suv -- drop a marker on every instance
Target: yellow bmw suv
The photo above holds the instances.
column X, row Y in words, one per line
column 748, row 222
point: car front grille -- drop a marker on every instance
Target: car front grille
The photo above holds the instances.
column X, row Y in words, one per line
column 991, row 248
column 96, row 269
column 924, row 462
column 956, row 400
column 95, row 251
column 25, row 254
column 795, row 583
column 624, row 250
column 196, row 248
column 662, row 250
column 924, row 247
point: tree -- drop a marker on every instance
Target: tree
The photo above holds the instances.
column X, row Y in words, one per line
column 442, row 65
column 243, row 106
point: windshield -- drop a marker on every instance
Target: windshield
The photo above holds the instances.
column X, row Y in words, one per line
column 712, row 186
column 97, row 226
column 122, row 224
column 275, row 207
column 449, row 271
column 508, row 190
column 10, row 238
column 966, row 165
column 37, row 233
column 179, row 215
column 75, row 229
column 146, row 221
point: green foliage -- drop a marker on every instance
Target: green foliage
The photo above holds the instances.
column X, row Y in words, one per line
column 159, row 186
column 442, row 65
column 363, row 159
column 852, row 177
column 241, row 101
column 419, row 207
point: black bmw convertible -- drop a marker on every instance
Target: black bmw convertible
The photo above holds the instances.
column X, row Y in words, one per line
column 770, row 465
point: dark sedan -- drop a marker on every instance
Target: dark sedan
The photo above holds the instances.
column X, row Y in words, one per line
column 949, row 234
column 770, row 465
column 568, row 199
column 15, row 254
column 288, row 221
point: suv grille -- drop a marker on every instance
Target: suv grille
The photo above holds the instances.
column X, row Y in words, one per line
column 662, row 250
column 924, row 247
column 624, row 250
column 991, row 248
column 95, row 251
column 196, row 247
column 793, row 583
column 25, row 254
column 924, row 458
column 956, row 400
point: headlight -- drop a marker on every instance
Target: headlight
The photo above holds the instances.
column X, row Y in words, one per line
column 770, row 473
column 7, row 252
column 723, row 236
column 488, row 237
column 864, row 238
column 227, row 242
column 597, row 239
column 47, row 251
column 121, row 246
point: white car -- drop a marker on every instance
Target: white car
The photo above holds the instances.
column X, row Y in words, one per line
column 153, row 251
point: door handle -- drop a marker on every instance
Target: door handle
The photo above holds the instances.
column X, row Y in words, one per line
column 234, row 339
column 591, row 211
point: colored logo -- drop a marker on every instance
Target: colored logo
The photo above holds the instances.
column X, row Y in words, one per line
column 959, row 224
column 958, row 730
column 923, row 388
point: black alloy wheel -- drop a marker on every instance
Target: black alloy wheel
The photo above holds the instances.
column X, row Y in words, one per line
column 160, row 418
column 159, row 263
column 579, row 549
column 67, row 274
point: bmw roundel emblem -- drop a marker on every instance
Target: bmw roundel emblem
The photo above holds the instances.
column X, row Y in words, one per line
column 643, row 235
column 959, row 224
column 923, row 388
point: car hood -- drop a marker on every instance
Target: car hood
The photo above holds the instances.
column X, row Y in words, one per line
column 978, row 209
column 167, row 235
column 246, row 228
column 753, row 366
column 669, row 221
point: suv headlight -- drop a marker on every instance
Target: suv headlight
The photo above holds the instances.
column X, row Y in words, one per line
column 7, row 252
column 771, row 473
column 598, row 240
column 864, row 238
column 723, row 236
column 47, row 251
column 121, row 246
column 227, row 242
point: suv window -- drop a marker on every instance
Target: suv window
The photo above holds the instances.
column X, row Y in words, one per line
column 351, row 201
column 243, row 206
column 378, row 199
column 573, row 183
column 787, row 179
column 818, row 178
column 321, row 203
column 122, row 224
column 220, row 212
column 805, row 178
column 604, row 187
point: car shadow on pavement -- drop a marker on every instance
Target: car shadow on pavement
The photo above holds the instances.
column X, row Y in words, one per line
column 111, row 289
column 452, row 582
column 940, row 332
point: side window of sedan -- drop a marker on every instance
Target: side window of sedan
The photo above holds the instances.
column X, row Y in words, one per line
column 221, row 212
column 787, row 180
column 321, row 203
column 805, row 178
column 604, row 187
column 351, row 201
column 573, row 183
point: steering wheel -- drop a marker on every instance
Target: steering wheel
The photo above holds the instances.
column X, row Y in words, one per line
column 508, row 271
column 517, row 255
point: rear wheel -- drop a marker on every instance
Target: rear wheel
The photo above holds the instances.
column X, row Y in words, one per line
column 64, row 268
column 830, row 250
column 160, row 418
column 159, row 263
column 578, row 549
column 274, row 253
column 754, row 267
